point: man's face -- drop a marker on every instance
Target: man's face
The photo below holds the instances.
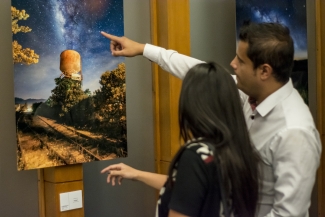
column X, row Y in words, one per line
column 244, row 70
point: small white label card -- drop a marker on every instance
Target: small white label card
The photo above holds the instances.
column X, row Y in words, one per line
column 64, row 202
column 75, row 199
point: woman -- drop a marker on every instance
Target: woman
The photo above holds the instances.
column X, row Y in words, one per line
column 216, row 172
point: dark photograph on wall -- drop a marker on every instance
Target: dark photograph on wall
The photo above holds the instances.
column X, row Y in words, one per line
column 69, row 90
column 291, row 13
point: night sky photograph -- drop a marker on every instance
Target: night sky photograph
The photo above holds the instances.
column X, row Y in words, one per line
column 291, row 13
column 59, row 25
column 70, row 92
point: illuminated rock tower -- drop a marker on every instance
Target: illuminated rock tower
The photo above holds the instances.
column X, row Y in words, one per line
column 70, row 65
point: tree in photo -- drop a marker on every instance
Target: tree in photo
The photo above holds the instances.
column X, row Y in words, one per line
column 109, row 101
column 20, row 54
column 66, row 94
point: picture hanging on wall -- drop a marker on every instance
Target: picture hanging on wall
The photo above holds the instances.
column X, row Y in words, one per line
column 291, row 13
column 69, row 90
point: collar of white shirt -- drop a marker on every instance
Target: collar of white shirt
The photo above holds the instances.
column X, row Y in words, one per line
column 272, row 100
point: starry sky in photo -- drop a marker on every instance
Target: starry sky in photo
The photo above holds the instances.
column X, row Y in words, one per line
column 291, row 13
column 59, row 25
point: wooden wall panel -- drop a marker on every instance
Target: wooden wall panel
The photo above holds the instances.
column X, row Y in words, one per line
column 320, row 56
column 41, row 193
column 63, row 173
column 55, row 180
column 170, row 27
column 52, row 199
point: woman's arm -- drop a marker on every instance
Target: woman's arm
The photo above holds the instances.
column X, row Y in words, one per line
column 121, row 171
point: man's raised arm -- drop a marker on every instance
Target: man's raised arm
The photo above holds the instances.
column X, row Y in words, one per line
column 169, row 60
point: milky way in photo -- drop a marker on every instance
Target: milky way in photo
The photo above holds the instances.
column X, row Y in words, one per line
column 291, row 13
column 59, row 25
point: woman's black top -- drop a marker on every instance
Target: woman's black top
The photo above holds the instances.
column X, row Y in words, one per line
column 194, row 189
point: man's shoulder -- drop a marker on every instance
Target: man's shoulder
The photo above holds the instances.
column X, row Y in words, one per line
column 295, row 111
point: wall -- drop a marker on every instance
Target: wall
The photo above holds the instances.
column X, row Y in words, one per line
column 213, row 30
column 312, row 82
column 132, row 198
column 18, row 190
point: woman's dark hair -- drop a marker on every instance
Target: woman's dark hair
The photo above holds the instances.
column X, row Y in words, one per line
column 209, row 107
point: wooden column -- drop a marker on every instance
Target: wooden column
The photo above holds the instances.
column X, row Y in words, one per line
column 320, row 57
column 170, row 28
column 56, row 180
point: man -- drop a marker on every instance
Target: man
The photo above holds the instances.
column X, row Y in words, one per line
column 280, row 124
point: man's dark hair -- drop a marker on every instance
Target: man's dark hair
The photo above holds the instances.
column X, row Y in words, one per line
column 269, row 43
column 209, row 108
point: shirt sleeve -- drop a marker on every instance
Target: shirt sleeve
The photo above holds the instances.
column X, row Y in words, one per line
column 296, row 155
column 191, row 185
column 170, row 60
column 175, row 63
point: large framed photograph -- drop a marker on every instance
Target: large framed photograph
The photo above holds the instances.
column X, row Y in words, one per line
column 69, row 91
column 291, row 13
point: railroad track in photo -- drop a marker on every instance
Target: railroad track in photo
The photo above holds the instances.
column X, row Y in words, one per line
column 43, row 142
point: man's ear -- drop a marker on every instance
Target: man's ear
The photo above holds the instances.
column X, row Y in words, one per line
column 265, row 71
